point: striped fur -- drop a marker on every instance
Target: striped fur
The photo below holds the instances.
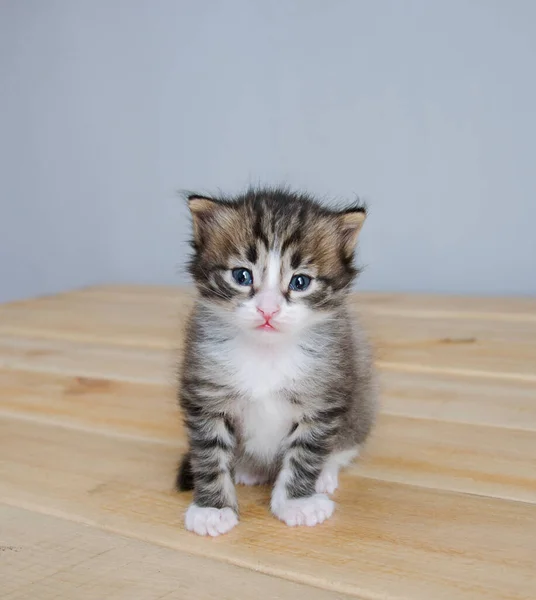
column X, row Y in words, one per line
column 281, row 404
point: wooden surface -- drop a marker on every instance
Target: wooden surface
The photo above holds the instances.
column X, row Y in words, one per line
column 441, row 506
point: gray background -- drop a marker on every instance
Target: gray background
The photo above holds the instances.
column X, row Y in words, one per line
column 425, row 108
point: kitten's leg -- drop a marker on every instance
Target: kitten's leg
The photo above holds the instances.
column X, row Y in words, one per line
column 328, row 480
column 294, row 500
column 212, row 444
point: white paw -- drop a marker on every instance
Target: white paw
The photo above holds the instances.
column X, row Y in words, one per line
column 328, row 482
column 305, row 511
column 209, row 521
column 247, row 478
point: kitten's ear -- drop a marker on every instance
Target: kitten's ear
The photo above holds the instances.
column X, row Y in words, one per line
column 352, row 220
column 203, row 210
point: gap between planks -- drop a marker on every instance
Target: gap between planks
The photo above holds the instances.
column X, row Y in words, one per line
column 400, row 367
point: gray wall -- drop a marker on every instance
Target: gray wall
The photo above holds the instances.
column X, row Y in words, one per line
column 425, row 108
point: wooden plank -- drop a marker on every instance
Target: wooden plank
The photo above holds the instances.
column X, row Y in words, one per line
column 450, row 330
column 46, row 557
column 116, row 407
column 439, row 340
column 72, row 355
column 502, row 361
column 428, row 453
column 98, row 361
column 446, row 343
column 86, row 319
column 456, row 371
column 107, row 307
column 471, row 399
column 386, row 540
column 488, row 461
column 478, row 400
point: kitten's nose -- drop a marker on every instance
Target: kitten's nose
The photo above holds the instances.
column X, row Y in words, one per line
column 268, row 311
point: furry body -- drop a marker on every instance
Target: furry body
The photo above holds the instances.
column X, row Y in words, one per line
column 277, row 383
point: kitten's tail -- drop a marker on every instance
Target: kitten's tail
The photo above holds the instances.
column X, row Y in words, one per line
column 185, row 476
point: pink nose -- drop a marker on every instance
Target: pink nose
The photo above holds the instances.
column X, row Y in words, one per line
column 268, row 313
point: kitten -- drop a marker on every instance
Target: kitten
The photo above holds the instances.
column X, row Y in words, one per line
column 277, row 383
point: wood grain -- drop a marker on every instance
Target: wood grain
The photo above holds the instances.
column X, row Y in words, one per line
column 442, row 504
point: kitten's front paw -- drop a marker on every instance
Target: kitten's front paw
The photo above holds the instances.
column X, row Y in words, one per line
column 209, row 521
column 305, row 511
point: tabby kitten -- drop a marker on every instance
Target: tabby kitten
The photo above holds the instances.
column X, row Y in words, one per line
column 277, row 383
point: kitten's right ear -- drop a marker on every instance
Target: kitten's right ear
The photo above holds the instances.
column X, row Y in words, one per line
column 203, row 210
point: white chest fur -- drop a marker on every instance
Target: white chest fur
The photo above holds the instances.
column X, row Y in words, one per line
column 264, row 376
column 265, row 422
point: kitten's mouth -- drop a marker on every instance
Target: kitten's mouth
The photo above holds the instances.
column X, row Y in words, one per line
column 267, row 327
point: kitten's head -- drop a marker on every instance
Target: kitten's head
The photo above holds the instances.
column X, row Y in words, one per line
column 273, row 262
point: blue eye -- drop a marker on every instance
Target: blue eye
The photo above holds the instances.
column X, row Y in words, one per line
column 243, row 276
column 299, row 283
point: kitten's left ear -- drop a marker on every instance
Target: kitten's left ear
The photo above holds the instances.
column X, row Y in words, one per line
column 352, row 220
